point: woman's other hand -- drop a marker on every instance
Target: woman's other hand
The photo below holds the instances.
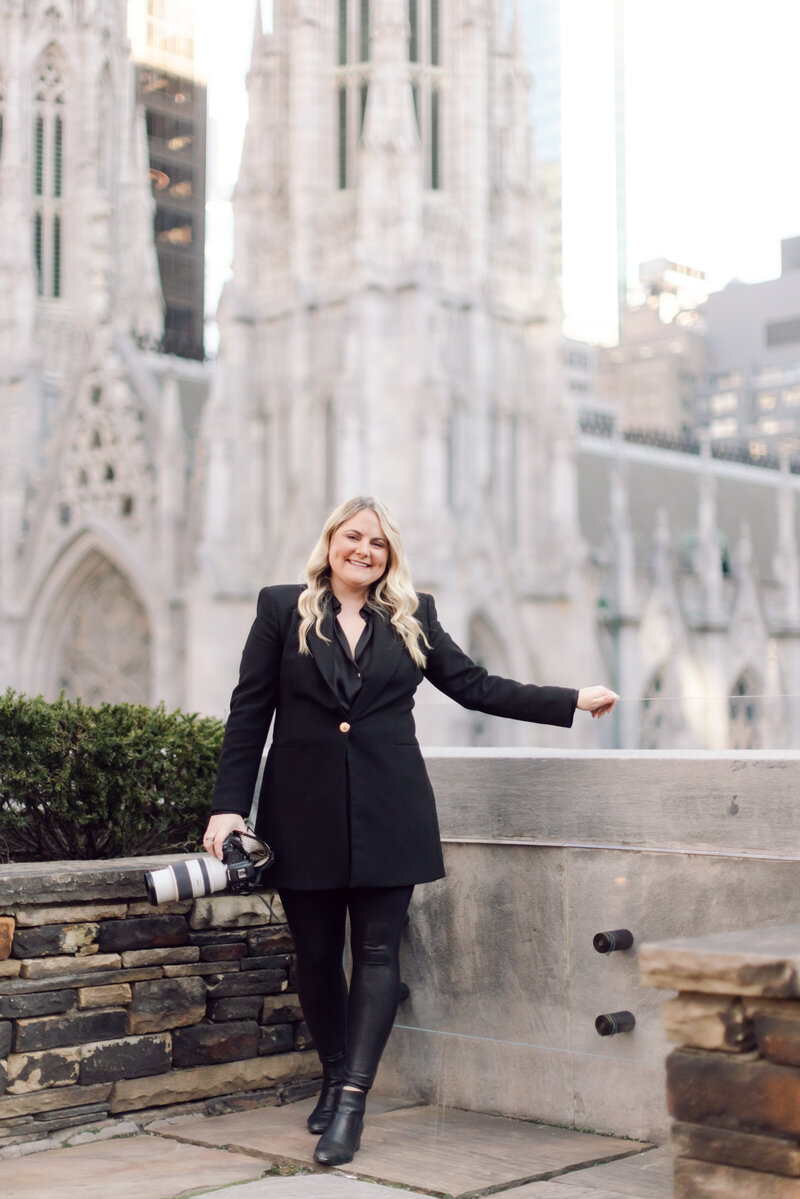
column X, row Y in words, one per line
column 219, row 827
column 597, row 700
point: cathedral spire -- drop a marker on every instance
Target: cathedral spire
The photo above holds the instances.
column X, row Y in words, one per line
column 17, row 280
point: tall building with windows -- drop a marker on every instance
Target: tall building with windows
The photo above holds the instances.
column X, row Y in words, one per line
column 753, row 394
column 173, row 96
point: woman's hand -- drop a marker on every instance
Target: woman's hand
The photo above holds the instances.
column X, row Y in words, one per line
column 219, row 827
column 597, row 700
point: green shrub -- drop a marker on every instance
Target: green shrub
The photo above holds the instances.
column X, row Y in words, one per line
column 113, row 781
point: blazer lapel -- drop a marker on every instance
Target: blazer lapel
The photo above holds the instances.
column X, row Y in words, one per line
column 322, row 651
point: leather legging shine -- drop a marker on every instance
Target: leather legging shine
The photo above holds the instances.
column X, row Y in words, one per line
column 350, row 1028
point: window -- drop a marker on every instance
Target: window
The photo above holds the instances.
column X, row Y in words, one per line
column 791, row 396
column 726, row 401
column 725, row 428
column 767, row 402
column 424, row 52
column 413, row 31
column 782, row 333
column 434, row 33
column 38, row 157
column 49, row 181
column 37, row 253
column 56, row 256
column 352, row 84
column 364, row 32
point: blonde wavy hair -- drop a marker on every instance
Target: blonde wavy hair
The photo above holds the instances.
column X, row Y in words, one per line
column 392, row 595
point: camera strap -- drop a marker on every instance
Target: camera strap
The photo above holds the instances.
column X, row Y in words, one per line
column 257, row 850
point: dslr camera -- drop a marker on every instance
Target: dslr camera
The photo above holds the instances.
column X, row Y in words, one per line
column 245, row 859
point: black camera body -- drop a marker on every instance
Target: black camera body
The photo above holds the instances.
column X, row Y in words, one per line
column 243, row 874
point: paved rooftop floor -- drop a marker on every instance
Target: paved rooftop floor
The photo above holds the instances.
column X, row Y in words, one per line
column 266, row 1153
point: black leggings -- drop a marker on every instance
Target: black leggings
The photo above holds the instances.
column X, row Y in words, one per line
column 351, row 1029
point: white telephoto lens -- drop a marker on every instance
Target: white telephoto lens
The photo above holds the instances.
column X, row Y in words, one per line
column 186, row 880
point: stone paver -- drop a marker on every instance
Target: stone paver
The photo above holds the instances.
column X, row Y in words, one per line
column 312, row 1186
column 647, row 1175
column 452, row 1152
column 141, row 1167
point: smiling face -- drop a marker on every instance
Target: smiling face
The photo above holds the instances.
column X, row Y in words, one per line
column 358, row 554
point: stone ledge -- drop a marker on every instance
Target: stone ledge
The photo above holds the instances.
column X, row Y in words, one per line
column 736, row 1092
column 704, row 1180
column 730, row 1147
column 758, row 962
column 53, row 882
column 202, row 1082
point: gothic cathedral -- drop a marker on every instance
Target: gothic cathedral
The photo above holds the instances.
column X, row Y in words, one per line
column 389, row 329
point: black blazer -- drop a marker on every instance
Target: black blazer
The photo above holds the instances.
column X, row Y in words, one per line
column 346, row 799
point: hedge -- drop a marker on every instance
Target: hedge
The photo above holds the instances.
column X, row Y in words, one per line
column 106, row 782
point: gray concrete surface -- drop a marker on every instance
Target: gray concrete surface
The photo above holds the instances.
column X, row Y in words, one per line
column 543, row 849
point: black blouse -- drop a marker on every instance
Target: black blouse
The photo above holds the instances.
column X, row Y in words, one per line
column 348, row 668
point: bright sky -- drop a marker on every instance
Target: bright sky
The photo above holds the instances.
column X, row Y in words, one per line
column 713, row 111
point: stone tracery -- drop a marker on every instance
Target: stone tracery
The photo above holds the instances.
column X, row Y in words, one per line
column 104, row 654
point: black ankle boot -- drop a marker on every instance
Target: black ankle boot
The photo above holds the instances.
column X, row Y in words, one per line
column 342, row 1137
column 321, row 1116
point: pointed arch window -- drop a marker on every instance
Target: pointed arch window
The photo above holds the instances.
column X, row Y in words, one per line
column 37, row 252
column 425, row 55
column 364, row 32
column 56, row 256
column 38, row 157
column 58, row 146
column 352, row 83
column 49, row 179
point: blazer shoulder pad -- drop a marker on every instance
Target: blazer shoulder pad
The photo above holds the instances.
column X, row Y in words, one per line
column 283, row 594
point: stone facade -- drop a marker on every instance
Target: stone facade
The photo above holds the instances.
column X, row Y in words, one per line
column 96, row 426
column 733, row 1083
column 115, row 1008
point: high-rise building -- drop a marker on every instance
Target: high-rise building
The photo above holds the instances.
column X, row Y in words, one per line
column 173, row 95
column 753, row 395
column 659, row 365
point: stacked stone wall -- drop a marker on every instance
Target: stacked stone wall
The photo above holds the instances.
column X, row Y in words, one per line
column 733, row 1084
column 111, row 1006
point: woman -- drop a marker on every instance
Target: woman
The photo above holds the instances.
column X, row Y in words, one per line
column 346, row 803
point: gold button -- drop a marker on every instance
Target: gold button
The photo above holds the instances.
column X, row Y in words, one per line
column 344, row 727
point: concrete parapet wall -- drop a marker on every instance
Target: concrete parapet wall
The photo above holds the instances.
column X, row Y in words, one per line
column 109, row 1005
column 543, row 850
